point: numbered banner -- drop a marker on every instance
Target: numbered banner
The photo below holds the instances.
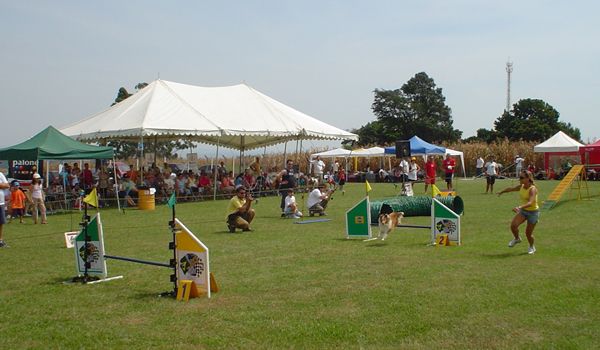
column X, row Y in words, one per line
column 93, row 249
column 444, row 222
column 358, row 220
column 192, row 260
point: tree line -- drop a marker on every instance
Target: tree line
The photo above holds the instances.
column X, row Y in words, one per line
column 419, row 108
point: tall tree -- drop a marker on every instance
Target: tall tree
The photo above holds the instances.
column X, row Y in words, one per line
column 532, row 120
column 417, row 108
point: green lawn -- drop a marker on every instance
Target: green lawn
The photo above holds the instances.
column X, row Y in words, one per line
column 307, row 287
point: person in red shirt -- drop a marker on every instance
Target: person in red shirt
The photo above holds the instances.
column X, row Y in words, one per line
column 87, row 177
column 204, row 183
column 448, row 165
column 430, row 170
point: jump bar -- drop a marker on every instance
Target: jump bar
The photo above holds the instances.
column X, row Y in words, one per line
column 409, row 226
column 136, row 260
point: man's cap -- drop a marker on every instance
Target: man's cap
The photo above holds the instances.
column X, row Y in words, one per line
column 36, row 176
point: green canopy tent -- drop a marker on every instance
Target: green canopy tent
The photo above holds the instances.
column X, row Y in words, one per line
column 51, row 144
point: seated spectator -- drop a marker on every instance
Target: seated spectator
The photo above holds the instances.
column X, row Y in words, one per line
column 182, row 186
column 249, row 181
column 128, row 191
column 204, row 183
column 291, row 208
column 227, row 185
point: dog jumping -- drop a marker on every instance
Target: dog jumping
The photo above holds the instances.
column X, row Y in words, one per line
column 387, row 223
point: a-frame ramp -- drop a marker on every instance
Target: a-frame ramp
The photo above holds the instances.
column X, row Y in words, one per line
column 564, row 185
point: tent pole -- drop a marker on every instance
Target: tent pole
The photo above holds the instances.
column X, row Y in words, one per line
column 142, row 160
column 116, row 184
column 155, row 147
column 284, row 154
column 215, row 171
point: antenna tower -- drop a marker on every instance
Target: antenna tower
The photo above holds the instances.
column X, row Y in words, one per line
column 509, row 69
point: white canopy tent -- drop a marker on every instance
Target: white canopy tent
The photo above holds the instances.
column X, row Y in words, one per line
column 557, row 146
column 559, row 142
column 237, row 117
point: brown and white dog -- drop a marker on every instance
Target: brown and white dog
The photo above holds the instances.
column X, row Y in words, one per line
column 387, row 223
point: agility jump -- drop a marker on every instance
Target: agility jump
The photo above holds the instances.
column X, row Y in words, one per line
column 190, row 262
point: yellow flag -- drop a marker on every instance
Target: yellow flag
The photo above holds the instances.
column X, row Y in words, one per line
column 367, row 186
column 92, row 198
column 435, row 191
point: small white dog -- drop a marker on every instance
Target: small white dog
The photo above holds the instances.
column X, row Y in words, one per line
column 387, row 223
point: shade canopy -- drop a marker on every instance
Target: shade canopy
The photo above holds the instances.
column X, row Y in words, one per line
column 559, row 142
column 419, row 147
column 237, row 116
column 332, row 153
column 52, row 144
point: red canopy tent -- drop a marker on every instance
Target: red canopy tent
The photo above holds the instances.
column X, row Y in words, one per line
column 590, row 155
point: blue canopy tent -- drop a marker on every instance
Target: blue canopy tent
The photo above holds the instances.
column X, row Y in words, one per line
column 418, row 147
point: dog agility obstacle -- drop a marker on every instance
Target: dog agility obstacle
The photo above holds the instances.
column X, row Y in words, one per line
column 190, row 262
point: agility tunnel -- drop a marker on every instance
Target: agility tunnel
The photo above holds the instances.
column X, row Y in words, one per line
column 415, row 206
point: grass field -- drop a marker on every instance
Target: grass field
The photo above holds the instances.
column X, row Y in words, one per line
column 307, row 287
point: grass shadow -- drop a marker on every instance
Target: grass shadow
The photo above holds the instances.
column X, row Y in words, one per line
column 503, row 255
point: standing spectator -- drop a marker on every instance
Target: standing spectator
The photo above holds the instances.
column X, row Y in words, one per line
column 75, row 176
column 255, row 166
column 491, row 172
column 286, row 180
column 4, row 186
column 527, row 211
column 221, row 170
column 404, row 168
column 341, row 180
column 479, row 166
column 103, row 185
column 518, row 165
column 430, row 172
column 318, row 166
column 17, row 201
column 239, row 211
column 87, row 178
column 64, row 174
column 37, row 196
column 413, row 170
column 335, row 167
column 448, row 165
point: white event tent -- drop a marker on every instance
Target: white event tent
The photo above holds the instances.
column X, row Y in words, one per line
column 235, row 116
column 558, row 145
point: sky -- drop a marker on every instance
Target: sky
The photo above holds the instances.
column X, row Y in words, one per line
column 63, row 61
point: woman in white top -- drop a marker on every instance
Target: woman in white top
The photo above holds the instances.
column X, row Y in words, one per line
column 413, row 169
column 37, row 196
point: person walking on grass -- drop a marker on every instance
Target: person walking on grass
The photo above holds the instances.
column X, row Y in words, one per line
column 4, row 186
column 528, row 210
column 38, row 198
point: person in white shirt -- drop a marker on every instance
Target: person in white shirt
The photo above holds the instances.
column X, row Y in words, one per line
column 317, row 200
column 4, row 188
column 518, row 165
column 318, row 167
column 37, row 196
column 479, row 166
column 491, row 172
column 291, row 208
column 404, row 168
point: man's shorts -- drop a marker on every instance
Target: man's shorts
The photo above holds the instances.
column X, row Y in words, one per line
column 479, row 171
column 491, row 179
column 2, row 215
column 430, row 180
column 532, row 216
column 449, row 177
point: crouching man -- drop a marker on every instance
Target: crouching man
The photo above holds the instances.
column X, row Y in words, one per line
column 239, row 213
column 317, row 200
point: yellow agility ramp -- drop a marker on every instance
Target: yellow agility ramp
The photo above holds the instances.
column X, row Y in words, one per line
column 576, row 173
